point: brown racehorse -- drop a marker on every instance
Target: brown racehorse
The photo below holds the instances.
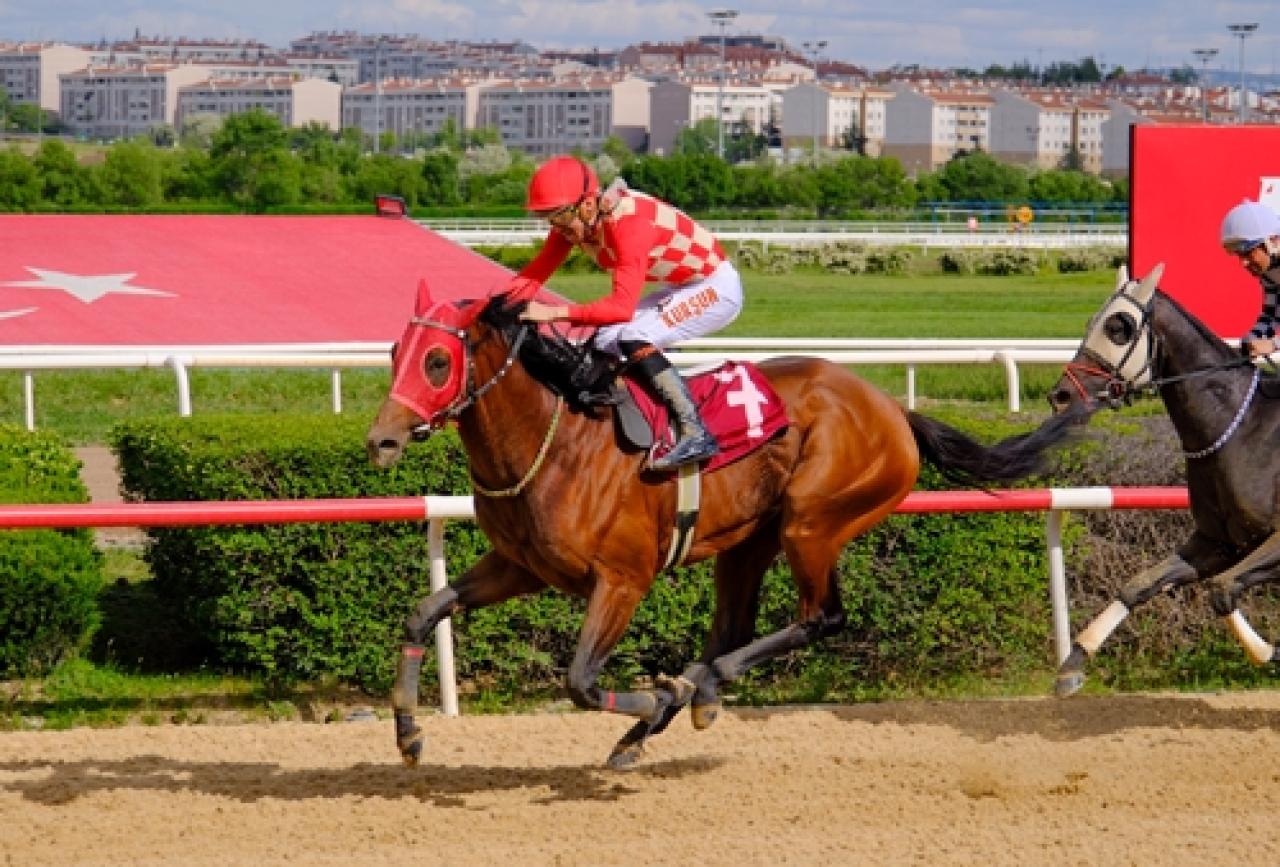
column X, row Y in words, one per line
column 563, row 506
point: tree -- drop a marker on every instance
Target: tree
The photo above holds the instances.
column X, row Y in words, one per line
column 131, row 175
column 251, row 163
column 979, row 177
column 198, row 129
column 64, row 182
column 19, row 181
column 442, row 184
column 701, row 138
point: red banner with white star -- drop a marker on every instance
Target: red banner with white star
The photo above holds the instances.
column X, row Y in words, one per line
column 77, row 280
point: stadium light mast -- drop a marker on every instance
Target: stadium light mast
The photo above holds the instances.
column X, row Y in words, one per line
column 813, row 49
column 1242, row 32
column 721, row 18
column 1204, row 55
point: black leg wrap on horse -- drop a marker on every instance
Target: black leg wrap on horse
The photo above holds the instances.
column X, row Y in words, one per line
column 404, row 702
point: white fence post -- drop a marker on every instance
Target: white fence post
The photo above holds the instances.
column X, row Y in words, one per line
column 1058, row 585
column 444, row 630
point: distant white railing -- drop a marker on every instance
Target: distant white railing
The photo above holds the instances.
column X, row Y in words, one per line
column 1008, row 353
column 472, row 232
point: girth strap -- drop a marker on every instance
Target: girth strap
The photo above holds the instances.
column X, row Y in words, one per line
column 688, row 503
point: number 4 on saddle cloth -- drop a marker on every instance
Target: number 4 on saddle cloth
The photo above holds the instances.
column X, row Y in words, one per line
column 738, row 405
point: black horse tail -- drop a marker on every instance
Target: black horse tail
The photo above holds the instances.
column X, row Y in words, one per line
column 968, row 462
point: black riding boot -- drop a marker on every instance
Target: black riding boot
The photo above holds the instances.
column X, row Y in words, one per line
column 693, row 441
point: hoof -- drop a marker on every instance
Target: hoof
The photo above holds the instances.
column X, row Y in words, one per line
column 1068, row 683
column 410, row 740
column 704, row 715
column 1071, row 673
column 625, row 756
column 680, row 688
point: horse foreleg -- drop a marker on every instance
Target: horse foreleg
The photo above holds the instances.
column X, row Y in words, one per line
column 1165, row 575
column 492, row 579
column 609, row 611
column 1259, row 566
column 739, row 573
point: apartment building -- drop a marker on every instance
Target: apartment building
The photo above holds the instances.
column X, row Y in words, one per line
column 679, row 103
column 546, row 118
column 1039, row 128
column 29, row 72
column 925, row 127
column 120, row 102
column 295, row 101
column 829, row 113
column 404, row 107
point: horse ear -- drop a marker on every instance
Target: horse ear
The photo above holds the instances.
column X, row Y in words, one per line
column 1122, row 277
column 1149, row 283
column 425, row 300
column 468, row 312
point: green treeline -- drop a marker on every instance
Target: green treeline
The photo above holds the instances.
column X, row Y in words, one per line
column 250, row 163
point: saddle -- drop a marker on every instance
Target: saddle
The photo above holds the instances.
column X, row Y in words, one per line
column 737, row 403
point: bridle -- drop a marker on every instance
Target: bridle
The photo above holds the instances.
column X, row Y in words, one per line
column 1119, row 386
column 1131, row 374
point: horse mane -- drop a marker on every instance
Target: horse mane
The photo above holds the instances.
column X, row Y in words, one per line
column 577, row 372
column 1199, row 327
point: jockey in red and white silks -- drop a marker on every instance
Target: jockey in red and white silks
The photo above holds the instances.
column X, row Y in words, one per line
column 638, row 239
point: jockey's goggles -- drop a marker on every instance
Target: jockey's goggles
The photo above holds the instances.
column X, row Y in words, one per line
column 562, row 218
column 1242, row 246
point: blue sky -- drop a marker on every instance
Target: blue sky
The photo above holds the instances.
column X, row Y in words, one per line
column 871, row 34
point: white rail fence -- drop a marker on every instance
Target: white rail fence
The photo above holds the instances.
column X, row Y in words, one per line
column 1009, row 354
column 474, row 233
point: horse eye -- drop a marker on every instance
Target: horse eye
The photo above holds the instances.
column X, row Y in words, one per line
column 1120, row 328
column 436, row 365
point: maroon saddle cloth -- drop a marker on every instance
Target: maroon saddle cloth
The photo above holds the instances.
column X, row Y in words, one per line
column 738, row 406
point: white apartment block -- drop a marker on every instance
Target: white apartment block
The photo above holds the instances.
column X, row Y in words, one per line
column 1039, row 128
column 403, row 107
column 830, row 113
column 924, row 129
column 676, row 104
column 29, row 72
column 295, row 101
column 546, row 118
column 124, row 102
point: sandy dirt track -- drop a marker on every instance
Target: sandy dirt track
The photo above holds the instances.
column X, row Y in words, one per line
column 1140, row 780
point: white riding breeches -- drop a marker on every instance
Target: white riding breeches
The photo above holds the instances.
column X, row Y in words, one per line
column 671, row 314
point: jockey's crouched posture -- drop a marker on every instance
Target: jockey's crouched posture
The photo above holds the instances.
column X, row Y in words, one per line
column 639, row 239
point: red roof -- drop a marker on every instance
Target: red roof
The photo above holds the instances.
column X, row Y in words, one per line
column 222, row 280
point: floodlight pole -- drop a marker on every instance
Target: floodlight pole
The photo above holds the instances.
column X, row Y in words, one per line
column 813, row 49
column 1205, row 55
column 721, row 18
column 1242, row 32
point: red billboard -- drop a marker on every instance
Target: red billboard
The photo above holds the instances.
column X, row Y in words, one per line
column 1183, row 180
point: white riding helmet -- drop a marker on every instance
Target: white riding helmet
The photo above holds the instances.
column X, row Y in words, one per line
column 1248, row 225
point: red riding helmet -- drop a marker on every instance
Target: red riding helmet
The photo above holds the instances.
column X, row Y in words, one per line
column 561, row 181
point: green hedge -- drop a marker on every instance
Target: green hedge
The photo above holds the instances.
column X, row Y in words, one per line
column 49, row 579
column 925, row 595
column 931, row 599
